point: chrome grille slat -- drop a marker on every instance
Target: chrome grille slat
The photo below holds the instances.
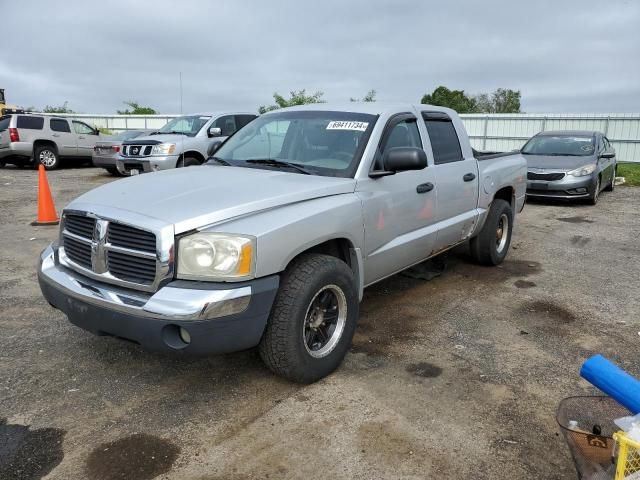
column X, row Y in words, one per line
column 132, row 269
column 78, row 252
column 130, row 237
column 550, row 176
column 81, row 226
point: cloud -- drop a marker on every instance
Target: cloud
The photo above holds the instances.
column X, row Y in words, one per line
column 573, row 55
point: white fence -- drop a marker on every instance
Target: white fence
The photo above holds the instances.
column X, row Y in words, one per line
column 494, row 132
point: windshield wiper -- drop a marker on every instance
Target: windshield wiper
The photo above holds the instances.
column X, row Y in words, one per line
column 221, row 161
column 272, row 162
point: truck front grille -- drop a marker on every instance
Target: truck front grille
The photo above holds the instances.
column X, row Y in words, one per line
column 136, row 150
column 549, row 177
column 122, row 252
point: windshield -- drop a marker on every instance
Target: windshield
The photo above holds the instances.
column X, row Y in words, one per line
column 558, row 145
column 189, row 125
column 316, row 142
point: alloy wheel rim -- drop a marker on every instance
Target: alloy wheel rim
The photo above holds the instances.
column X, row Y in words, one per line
column 47, row 158
column 324, row 321
column 502, row 233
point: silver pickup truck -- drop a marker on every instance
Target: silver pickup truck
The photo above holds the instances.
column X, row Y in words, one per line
column 272, row 242
column 183, row 142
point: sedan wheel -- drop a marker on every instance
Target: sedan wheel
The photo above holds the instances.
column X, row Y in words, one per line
column 596, row 193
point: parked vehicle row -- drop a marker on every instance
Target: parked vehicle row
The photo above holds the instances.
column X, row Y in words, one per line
column 272, row 242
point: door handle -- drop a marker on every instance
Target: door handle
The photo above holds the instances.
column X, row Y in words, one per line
column 424, row 187
column 469, row 176
column 55, row 135
column 81, row 136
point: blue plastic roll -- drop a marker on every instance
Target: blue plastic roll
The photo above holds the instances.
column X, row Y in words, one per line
column 613, row 381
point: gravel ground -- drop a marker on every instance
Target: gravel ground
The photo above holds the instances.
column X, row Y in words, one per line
column 458, row 377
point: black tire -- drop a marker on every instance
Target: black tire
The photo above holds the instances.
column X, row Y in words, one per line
column 188, row 162
column 284, row 346
column 2, row 164
column 487, row 248
column 47, row 156
column 611, row 186
column 593, row 200
column 113, row 171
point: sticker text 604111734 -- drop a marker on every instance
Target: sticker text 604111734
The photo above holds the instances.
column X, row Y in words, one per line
column 345, row 125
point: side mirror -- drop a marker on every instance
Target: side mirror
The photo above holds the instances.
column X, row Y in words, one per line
column 214, row 132
column 97, row 132
column 401, row 159
column 213, row 147
column 608, row 155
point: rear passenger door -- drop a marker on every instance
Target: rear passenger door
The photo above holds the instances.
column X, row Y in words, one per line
column 85, row 138
column 457, row 180
column 65, row 140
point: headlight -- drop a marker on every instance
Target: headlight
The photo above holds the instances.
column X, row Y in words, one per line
column 582, row 171
column 216, row 256
column 163, row 149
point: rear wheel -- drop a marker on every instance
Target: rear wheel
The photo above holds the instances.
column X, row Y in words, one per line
column 491, row 245
column 593, row 200
column 312, row 320
column 47, row 156
column 2, row 164
column 188, row 162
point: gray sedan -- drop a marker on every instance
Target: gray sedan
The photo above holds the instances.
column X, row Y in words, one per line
column 569, row 165
column 105, row 152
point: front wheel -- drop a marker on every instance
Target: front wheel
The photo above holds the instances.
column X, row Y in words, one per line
column 47, row 156
column 593, row 200
column 312, row 320
column 113, row 171
column 612, row 185
column 491, row 245
column 187, row 162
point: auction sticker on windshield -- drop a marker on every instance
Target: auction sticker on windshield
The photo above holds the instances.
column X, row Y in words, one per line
column 343, row 125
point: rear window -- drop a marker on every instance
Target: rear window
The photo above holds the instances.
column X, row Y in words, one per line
column 59, row 125
column 32, row 123
column 444, row 139
column 4, row 123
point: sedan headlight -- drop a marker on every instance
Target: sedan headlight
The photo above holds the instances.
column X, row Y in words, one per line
column 163, row 149
column 216, row 256
column 583, row 171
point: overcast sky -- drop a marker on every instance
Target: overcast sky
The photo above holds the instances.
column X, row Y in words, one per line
column 563, row 55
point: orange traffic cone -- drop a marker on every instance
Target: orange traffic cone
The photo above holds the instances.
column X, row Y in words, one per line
column 46, row 209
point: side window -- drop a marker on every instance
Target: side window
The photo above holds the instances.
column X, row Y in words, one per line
column 4, row 123
column 31, row 123
column 59, row 125
column 444, row 139
column 227, row 124
column 242, row 120
column 403, row 134
column 82, row 128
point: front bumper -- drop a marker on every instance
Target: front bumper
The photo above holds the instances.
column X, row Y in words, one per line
column 569, row 187
column 146, row 164
column 217, row 317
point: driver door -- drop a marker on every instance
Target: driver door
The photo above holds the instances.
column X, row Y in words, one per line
column 399, row 210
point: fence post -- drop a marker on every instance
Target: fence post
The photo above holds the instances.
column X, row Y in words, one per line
column 484, row 135
column 544, row 124
column 606, row 126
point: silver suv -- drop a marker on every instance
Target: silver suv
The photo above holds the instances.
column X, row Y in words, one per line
column 27, row 138
column 183, row 142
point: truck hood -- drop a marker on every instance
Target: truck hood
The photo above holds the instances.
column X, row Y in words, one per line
column 160, row 138
column 558, row 162
column 194, row 197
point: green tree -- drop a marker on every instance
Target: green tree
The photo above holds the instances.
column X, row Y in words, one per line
column 454, row 99
column 136, row 109
column 369, row 97
column 296, row 98
column 503, row 100
column 59, row 109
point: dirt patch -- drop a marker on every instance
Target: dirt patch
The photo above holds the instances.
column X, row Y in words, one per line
column 524, row 284
column 138, row 456
column 382, row 442
column 424, row 369
column 28, row 454
column 550, row 310
column 579, row 240
column 577, row 219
